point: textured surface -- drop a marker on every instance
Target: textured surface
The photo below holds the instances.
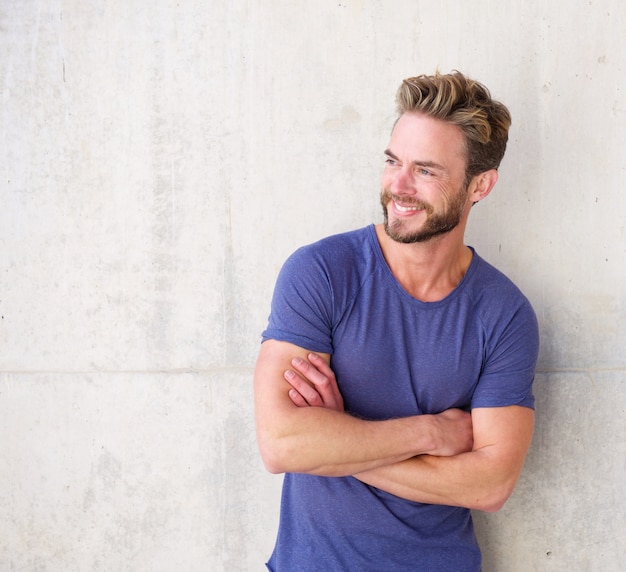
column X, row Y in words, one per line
column 158, row 161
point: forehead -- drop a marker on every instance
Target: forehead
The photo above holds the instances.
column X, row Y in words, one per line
column 419, row 137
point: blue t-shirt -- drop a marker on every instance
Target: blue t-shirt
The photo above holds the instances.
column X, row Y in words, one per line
column 393, row 356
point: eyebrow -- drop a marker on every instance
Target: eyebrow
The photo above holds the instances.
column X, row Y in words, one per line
column 429, row 164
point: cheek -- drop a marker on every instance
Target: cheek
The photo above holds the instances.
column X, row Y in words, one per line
column 446, row 197
column 455, row 200
column 449, row 193
column 385, row 180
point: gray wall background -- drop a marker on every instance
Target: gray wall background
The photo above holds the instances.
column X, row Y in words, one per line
column 159, row 160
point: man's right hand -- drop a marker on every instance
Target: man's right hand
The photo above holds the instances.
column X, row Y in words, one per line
column 313, row 384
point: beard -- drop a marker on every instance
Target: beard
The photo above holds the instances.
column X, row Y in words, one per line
column 436, row 223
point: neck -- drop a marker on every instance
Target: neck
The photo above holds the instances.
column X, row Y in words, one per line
column 431, row 270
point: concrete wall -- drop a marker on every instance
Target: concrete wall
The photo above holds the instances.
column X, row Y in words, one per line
column 158, row 162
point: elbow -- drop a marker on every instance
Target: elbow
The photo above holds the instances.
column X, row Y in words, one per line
column 490, row 506
column 284, row 455
column 274, row 469
column 494, row 499
column 271, row 457
column 276, row 454
column 273, row 463
column 496, row 487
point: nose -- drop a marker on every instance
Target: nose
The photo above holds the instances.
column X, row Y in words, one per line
column 402, row 182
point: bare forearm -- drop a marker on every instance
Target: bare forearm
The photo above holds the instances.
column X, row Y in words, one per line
column 463, row 480
column 332, row 443
column 294, row 436
column 481, row 479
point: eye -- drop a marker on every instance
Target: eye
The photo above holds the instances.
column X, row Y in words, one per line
column 390, row 161
column 422, row 171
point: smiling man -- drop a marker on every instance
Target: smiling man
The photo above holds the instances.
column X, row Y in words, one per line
column 394, row 382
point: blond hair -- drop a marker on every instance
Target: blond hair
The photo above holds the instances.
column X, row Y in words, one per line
column 466, row 103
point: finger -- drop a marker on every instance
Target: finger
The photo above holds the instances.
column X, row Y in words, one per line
column 324, row 387
column 327, row 386
column 308, row 393
column 324, row 381
column 309, row 371
column 297, row 399
column 321, row 364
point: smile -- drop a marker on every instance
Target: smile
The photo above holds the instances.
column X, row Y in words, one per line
column 404, row 209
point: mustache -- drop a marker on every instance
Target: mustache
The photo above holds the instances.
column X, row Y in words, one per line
column 386, row 195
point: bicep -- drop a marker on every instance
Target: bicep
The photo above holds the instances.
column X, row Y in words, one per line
column 504, row 435
column 271, row 390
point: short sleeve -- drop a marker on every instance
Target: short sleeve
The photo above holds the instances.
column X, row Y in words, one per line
column 510, row 361
column 301, row 309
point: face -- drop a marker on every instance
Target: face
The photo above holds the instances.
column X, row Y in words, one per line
column 424, row 194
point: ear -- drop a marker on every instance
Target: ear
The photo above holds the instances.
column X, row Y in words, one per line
column 481, row 185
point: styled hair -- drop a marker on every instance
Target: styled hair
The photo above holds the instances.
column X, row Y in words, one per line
column 466, row 103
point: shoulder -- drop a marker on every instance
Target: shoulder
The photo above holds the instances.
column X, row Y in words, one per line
column 314, row 287
column 345, row 243
column 328, row 273
column 488, row 283
column 498, row 300
column 334, row 255
column 511, row 339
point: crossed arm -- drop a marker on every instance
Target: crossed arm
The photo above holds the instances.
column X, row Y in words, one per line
column 451, row 458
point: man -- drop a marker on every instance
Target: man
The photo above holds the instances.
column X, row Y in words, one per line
column 394, row 382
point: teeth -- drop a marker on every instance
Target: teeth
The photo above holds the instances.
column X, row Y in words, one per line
column 405, row 209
